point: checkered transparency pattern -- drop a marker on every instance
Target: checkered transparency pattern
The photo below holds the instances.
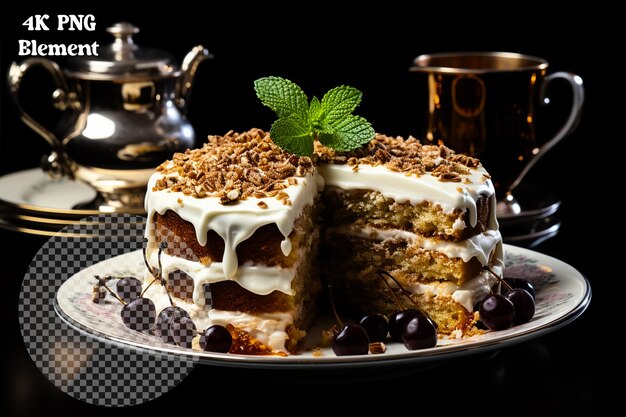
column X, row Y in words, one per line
column 88, row 369
column 177, row 281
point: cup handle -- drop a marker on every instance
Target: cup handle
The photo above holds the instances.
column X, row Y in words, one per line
column 578, row 97
column 57, row 163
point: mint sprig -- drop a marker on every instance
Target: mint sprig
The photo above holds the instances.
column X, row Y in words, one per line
column 299, row 122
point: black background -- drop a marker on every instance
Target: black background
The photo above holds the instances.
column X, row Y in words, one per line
column 369, row 47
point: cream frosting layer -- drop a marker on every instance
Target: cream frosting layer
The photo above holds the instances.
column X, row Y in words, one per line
column 484, row 247
column 237, row 222
column 467, row 294
column 479, row 246
column 258, row 279
column 402, row 188
column 269, row 328
column 233, row 222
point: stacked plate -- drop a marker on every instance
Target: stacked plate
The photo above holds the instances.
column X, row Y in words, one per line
column 535, row 219
column 33, row 203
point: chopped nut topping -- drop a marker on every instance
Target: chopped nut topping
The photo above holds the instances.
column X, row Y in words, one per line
column 408, row 156
column 234, row 167
column 262, row 204
column 237, row 166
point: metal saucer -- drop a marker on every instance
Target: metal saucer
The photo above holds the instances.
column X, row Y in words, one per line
column 534, row 203
column 531, row 234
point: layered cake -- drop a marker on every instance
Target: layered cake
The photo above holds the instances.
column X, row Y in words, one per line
column 421, row 213
column 241, row 218
column 244, row 221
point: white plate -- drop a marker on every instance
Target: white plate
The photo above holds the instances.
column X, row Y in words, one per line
column 33, row 187
column 562, row 295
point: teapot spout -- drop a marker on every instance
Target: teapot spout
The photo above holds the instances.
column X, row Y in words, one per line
column 190, row 65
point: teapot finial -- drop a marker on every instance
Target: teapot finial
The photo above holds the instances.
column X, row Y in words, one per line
column 124, row 44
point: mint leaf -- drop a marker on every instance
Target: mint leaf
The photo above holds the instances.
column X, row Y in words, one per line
column 293, row 135
column 347, row 133
column 340, row 102
column 316, row 113
column 282, row 96
column 330, row 120
column 328, row 138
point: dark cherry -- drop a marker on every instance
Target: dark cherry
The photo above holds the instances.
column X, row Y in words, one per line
column 481, row 326
column 398, row 321
column 524, row 304
column 139, row 314
column 128, row 288
column 164, row 320
column 518, row 283
column 419, row 333
column 351, row 340
column 497, row 312
column 183, row 330
column 216, row 339
column 376, row 327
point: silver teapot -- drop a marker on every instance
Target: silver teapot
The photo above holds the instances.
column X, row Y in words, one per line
column 123, row 114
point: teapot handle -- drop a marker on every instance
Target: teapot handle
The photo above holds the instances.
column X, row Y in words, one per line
column 57, row 164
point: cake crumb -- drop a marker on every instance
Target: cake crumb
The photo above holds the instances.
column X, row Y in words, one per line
column 318, row 352
column 328, row 336
column 195, row 343
column 180, row 202
column 377, row 348
column 456, row 334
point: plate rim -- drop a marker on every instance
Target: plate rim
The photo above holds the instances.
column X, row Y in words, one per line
column 31, row 209
column 300, row 362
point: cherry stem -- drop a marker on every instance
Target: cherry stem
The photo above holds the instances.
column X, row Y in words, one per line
column 162, row 246
column 152, row 272
column 149, row 285
column 391, row 290
column 407, row 294
column 102, row 282
column 332, row 304
column 404, row 292
column 499, row 278
column 145, row 258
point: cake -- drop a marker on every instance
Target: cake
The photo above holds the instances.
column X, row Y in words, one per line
column 241, row 218
column 421, row 213
column 245, row 221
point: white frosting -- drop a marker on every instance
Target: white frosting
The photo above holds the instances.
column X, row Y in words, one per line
column 479, row 246
column 478, row 288
column 258, row 279
column 471, row 291
column 402, row 188
column 268, row 328
column 233, row 222
column 237, row 222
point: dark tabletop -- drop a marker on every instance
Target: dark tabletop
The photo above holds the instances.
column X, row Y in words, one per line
column 557, row 374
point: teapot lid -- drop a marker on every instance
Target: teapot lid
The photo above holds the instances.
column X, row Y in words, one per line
column 123, row 60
